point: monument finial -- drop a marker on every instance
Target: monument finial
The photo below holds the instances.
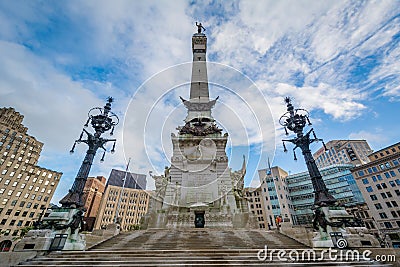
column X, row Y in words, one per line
column 200, row 27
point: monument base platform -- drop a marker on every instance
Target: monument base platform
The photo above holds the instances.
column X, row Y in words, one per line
column 58, row 236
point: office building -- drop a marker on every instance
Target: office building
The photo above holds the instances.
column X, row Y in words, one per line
column 92, row 195
column 379, row 182
column 353, row 152
column 339, row 181
column 25, row 188
column 129, row 201
column 292, row 197
column 253, row 196
column 362, row 211
column 275, row 195
column 133, row 180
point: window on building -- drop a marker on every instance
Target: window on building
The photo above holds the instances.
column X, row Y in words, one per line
column 389, row 194
column 14, row 202
column 3, row 221
column 365, row 181
column 369, row 189
column 392, row 183
column 378, row 186
column 388, row 225
column 386, row 175
column 383, row 215
column 373, row 197
column 383, row 195
column 24, row 214
column 8, row 212
column 379, row 177
column 388, row 204
column 378, row 206
column 17, row 213
column 394, row 203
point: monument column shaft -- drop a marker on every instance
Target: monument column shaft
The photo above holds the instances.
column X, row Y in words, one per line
column 199, row 83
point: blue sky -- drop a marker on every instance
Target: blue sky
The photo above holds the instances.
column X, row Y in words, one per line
column 338, row 59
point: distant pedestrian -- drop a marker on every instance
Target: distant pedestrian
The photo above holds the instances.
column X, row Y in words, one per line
column 278, row 221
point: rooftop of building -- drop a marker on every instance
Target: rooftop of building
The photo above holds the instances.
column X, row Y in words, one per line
column 324, row 169
column 16, row 125
column 117, row 177
column 396, row 145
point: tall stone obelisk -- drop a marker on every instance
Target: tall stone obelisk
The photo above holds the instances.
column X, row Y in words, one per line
column 199, row 189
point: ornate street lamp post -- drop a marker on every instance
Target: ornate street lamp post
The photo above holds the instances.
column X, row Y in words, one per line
column 102, row 120
column 295, row 120
column 60, row 230
column 329, row 218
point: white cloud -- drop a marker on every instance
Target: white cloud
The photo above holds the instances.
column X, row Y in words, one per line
column 375, row 137
column 54, row 106
column 149, row 34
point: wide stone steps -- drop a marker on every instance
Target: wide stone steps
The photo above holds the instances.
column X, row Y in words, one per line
column 191, row 247
column 195, row 239
column 177, row 258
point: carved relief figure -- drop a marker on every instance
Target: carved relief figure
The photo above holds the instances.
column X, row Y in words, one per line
column 238, row 184
column 177, row 194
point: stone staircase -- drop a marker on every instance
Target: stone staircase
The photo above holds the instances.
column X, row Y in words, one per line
column 191, row 247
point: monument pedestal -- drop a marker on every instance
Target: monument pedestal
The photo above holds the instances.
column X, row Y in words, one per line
column 338, row 229
column 58, row 231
